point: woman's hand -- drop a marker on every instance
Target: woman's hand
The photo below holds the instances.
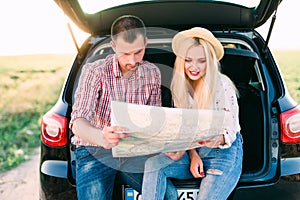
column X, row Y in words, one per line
column 196, row 166
column 213, row 142
column 175, row 155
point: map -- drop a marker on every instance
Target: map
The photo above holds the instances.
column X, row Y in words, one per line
column 154, row 129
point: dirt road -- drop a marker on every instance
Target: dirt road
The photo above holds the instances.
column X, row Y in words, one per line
column 21, row 182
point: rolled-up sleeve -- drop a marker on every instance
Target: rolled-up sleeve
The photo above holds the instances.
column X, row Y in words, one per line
column 86, row 94
column 226, row 99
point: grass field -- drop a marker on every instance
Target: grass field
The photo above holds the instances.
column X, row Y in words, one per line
column 289, row 64
column 30, row 85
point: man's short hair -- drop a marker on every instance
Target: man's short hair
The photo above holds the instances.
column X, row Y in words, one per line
column 128, row 26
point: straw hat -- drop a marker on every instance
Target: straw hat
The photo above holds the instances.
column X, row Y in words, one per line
column 197, row 32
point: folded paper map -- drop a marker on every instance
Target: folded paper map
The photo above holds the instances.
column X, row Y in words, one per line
column 154, row 129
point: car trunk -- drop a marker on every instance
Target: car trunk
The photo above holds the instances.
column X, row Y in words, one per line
column 242, row 66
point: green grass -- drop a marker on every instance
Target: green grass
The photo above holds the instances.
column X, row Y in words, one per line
column 289, row 65
column 31, row 84
column 29, row 87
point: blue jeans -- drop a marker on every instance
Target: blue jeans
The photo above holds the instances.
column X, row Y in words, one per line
column 213, row 186
column 96, row 171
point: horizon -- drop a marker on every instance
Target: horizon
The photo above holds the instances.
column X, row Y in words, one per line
column 40, row 27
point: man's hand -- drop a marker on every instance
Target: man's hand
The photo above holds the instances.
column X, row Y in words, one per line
column 112, row 136
column 106, row 138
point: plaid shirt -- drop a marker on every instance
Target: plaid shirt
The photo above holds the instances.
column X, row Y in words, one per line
column 102, row 81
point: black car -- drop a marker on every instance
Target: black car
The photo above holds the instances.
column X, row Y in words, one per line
column 269, row 117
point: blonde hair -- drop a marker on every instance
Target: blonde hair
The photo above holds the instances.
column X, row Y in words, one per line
column 203, row 89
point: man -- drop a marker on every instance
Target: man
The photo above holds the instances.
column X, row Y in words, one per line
column 122, row 76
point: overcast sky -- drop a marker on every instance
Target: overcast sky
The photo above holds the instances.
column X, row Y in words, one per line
column 35, row 26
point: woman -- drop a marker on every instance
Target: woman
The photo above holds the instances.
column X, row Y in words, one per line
column 198, row 84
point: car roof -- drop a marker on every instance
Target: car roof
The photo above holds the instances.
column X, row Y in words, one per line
column 177, row 15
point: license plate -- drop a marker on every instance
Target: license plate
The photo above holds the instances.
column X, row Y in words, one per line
column 183, row 194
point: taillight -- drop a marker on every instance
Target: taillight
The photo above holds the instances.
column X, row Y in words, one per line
column 290, row 126
column 54, row 129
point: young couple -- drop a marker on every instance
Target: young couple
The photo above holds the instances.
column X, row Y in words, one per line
column 124, row 76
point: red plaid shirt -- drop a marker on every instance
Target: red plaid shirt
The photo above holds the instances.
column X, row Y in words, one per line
column 102, row 81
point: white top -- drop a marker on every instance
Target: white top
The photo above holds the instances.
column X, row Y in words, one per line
column 226, row 99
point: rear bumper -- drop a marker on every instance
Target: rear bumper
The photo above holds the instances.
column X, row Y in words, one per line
column 55, row 185
column 56, row 168
column 290, row 166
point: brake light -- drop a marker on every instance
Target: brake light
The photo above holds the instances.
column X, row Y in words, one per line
column 54, row 129
column 290, row 126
